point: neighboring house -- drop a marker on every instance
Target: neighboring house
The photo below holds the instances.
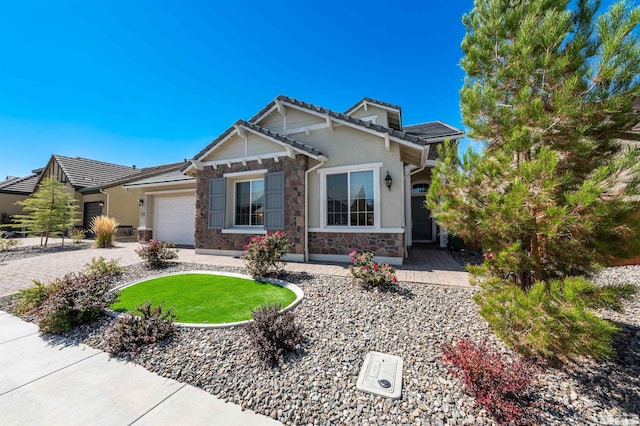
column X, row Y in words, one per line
column 15, row 189
column 96, row 185
column 332, row 181
column 84, row 179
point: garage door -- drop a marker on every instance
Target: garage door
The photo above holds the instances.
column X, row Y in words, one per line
column 175, row 220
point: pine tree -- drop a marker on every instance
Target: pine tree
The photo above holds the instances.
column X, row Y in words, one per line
column 549, row 85
column 50, row 211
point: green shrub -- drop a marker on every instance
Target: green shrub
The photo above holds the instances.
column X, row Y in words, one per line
column 263, row 254
column 30, row 299
column 502, row 388
column 131, row 332
column 75, row 299
column 104, row 228
column 370, row 273
column 102, row 269
column 273, row 333
column 9, row 243
column 157, row 253
column 77, row 235
column 555, row 318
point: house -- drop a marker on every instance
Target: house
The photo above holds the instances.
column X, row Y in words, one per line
column 332, row 181
column 13, row 190
column 631, row 139
column 85, row 179
column 98, row 187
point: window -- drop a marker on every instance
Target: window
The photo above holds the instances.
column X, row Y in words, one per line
column 350, row 199
column 249, row 204
column 420, row 188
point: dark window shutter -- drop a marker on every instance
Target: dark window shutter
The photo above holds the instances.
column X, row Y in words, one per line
column 217, row 206
column 274, row 201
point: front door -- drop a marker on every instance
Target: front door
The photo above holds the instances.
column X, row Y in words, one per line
column 422, row 223
column 91, row 210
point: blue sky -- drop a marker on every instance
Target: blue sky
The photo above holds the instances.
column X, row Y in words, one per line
column 146, row 83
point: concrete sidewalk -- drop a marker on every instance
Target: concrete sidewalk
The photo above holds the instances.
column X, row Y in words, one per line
column 54, row 382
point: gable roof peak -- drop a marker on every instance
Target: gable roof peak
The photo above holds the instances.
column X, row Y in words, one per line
column 374, row 102
column 84, row 172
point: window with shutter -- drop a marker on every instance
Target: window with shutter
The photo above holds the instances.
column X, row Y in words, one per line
column 274, row 201
column 217, row 206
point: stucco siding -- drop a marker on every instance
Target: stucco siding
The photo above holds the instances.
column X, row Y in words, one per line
column 345, row 146
column 234, row 148
column 296, row 119
column 381, row 114
column 8, row 206
column 123, row 206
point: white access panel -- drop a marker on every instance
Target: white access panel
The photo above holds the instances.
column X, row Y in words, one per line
column 381, row 374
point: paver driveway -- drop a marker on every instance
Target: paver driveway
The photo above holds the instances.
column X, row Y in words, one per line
column 425, row 265
column 18, row 274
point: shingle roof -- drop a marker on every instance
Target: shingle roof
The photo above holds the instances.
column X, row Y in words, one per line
column 372, row 101
column 432, row 130
column 298, row 145
column 168, row 176
column 19, row 185
column 143, row 173
column 420, row 138
column 86, row 173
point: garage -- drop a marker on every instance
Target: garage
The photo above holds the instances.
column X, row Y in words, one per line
column 175, row 220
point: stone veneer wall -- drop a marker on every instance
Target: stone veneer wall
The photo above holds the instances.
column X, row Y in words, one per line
column 293, row 203
column 391, row 245
column 144, row 235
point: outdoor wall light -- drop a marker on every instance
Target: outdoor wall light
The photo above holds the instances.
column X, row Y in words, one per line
column 388, row 180
column 140, row 202
column 101, row 204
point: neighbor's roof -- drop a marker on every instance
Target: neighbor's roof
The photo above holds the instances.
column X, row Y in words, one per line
column 19, row 185
column 86, row 173
column 431, row 130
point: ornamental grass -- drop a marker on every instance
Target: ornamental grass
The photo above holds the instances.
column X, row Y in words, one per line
column 104, row 228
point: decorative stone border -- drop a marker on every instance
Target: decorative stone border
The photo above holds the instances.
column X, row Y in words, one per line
column 297, row 290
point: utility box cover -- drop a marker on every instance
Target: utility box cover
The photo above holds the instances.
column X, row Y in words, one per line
column 381, row 374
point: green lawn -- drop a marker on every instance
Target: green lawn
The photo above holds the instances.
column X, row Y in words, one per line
column 205, row 298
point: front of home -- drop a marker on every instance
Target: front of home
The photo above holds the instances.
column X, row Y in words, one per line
column 332, row 181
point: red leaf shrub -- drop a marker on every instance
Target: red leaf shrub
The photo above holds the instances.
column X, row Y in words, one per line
column 263, row 254
column 370, row 273
column 273, row 333
column 157, row 253
column 501, row 387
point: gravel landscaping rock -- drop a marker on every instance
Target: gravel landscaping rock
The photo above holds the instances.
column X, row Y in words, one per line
column 342, row 322
column 21, row 252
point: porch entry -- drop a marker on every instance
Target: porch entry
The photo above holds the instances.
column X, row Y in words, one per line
column 422, row 225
